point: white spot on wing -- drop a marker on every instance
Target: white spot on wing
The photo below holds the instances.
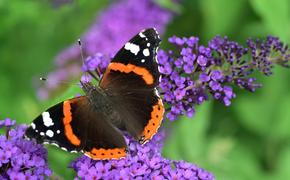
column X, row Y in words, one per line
column 49, row 133
column 148, row 44
column 142, row 35
column 63, row 148
column 47, row 121
column 58, row 131
column 156, row 92
column 41, row 133
column 87, row 155
column 33, row 125
column 143, row 60
column 156, row 60
column 55, row 144
column 146, row 52
column 27, row 138
column 156, row 55
column 133, row 48
column 158, row 68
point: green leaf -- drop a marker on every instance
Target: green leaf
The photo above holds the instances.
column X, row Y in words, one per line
column 261, row 112
column 282, row 169
column 169, row 4
column 276, row 16
column 280, row 126
column 234, row 161
column 71, row 92
column 221, row 16
column 59, row 161
column 187, row 138
column 254, row 29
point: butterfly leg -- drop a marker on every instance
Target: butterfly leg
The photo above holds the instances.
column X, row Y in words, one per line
column 97, row 77
column 98, row 71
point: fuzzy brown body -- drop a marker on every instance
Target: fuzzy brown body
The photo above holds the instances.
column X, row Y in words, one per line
column 102, row 103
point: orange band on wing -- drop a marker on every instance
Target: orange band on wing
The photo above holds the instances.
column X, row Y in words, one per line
column 67, row 127
column 144, row 73
column 155, row 121
column 101, row 154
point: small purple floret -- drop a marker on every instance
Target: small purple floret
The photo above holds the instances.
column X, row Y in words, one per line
column 142, row 162
column 21, row 158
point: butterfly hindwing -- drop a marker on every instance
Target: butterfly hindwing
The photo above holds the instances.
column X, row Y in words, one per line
column 130, row 81
column 99, row 138
column 77, row 126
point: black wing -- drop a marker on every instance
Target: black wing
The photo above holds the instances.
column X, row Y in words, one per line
column 130, row 81
column 75, row 126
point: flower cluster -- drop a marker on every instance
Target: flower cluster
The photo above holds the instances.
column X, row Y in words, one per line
column 113, row 27
column 20, row 158
column 142, row 162
column 267, row 53
column 194, row 71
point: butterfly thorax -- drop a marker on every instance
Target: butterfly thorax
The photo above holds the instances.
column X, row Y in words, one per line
column 100, row 101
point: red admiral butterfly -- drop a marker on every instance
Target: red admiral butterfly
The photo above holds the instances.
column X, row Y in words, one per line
column 125, row 100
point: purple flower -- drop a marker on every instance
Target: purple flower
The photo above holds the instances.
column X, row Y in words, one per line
column 112, row 28
column 166, row 69
column 176, row 40
column 96, row 62
column 20, row 158
column 214, row 70
column 216, row 75
column 143, row 162
column 201, row 60
column 203, row 77
column 179, row 94
column 7, row 123
column 266, row 53
column 188, row 68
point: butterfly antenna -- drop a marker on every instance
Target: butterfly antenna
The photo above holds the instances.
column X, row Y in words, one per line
column 58, row 82
column 81, row 50
column 83, row 60
column 42, row 79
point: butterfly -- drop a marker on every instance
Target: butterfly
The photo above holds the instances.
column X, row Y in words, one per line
column 126, row 100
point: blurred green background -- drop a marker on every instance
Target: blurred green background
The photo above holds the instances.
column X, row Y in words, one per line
column 248, row 140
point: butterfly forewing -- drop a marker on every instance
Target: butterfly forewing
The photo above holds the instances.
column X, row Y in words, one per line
column 130, row 80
